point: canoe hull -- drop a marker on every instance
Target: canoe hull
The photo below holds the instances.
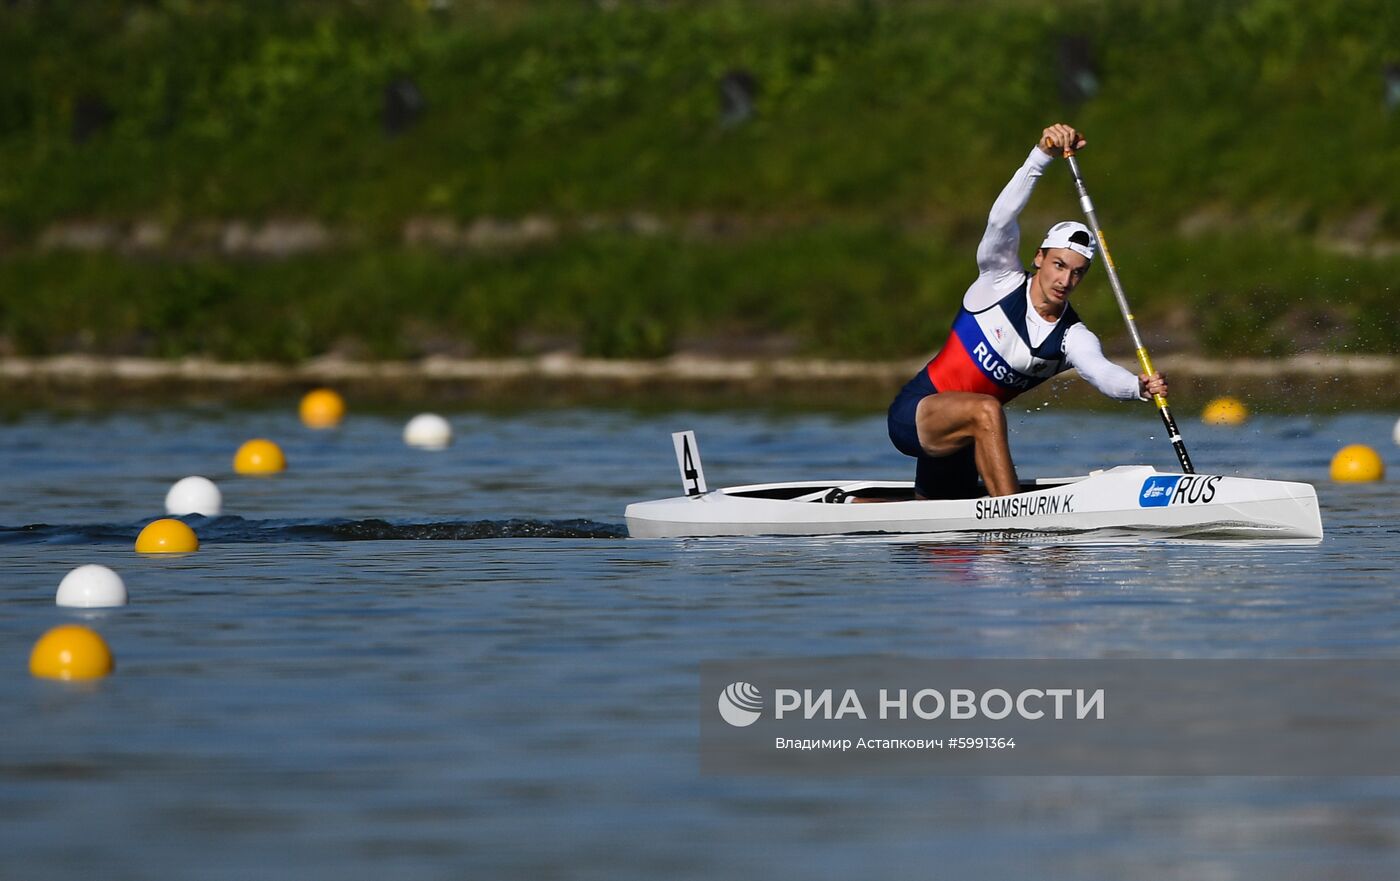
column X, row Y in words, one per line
column 1135, row 499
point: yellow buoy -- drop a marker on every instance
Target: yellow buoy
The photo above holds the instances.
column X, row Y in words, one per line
column 1357, row 463
column 1225, row 411
column 322, row 408
column 166, row 536
column 259, row 456
column 70, row 652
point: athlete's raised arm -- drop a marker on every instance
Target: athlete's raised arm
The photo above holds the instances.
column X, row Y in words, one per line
column 997, row 253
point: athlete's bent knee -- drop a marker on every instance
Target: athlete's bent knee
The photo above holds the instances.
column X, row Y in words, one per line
column 988, row 417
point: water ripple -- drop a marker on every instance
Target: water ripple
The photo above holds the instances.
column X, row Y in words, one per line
column 238, row 529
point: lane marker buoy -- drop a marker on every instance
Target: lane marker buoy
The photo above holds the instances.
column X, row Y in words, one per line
column 259, row 456
column 322, row 408
column 166, row 536
column 91, row 587
column 194, row 495
column 427, row 431
column 1225, row 411
column 71, row 652
column 1357, row 463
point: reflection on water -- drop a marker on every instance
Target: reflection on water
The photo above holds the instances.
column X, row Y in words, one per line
column 524, row 704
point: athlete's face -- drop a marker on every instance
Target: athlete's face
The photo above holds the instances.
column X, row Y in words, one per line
column 1060, row 271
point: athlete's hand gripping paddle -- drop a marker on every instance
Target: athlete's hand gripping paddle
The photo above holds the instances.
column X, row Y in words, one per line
column 1160, row 400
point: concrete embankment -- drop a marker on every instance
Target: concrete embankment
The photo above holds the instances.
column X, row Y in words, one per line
column 1303, row 382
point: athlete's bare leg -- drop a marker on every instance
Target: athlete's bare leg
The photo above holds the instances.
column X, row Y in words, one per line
column 949, row 421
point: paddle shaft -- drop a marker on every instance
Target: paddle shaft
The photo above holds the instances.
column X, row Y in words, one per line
column 1160, row 400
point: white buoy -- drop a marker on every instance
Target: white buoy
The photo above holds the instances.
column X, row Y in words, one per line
column 1395, row 434
column 194, row 495
column 91, row 587
column 427, row 431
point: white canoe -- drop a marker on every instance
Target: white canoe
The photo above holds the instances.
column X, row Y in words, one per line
column 1133, row 499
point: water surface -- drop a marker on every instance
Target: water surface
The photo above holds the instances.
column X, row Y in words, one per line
column 445, row 665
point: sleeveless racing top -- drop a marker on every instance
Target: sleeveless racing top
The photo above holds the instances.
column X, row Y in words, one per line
column 989, row 351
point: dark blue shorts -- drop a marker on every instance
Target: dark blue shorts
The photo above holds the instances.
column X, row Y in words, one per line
column 935, row 477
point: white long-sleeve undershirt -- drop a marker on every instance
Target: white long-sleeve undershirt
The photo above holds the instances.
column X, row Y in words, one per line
column 1000, row 271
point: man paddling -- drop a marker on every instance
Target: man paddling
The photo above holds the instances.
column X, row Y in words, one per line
column 1015, row 330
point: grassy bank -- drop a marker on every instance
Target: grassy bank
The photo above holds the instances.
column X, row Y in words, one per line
column 1241, row 153
column 849, row 292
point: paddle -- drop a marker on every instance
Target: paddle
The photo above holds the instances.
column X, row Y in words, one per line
column 1160, row 400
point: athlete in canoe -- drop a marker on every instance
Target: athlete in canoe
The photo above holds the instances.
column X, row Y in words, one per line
column 1015, row 330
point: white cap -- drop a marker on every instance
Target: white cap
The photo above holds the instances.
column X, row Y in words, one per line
column 1072, row 235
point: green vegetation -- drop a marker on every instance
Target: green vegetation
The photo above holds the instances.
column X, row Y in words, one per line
column 1241, row 153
